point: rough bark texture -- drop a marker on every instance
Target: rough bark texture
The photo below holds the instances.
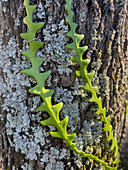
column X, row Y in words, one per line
column 25, row 143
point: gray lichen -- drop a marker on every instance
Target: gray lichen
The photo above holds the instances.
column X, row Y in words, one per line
column 90, row 136
column 55, row 47
column 52, row 155
column 12, row 89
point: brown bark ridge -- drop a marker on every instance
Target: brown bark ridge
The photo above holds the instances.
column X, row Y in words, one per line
column 25, row 144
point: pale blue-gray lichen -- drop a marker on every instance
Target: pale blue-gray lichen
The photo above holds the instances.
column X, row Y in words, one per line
column 52, row 155
column 90, row 136
column 12, row 89
column 26, row 166
column 55, row 47
column 40, row 11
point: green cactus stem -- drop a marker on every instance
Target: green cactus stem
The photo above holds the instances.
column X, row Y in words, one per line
column 39, row 88
column 78, row 58
column 46, row 94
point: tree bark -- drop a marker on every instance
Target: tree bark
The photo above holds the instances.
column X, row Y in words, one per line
column 25, row 143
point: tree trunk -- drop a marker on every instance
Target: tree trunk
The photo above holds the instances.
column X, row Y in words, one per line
column 25, row 143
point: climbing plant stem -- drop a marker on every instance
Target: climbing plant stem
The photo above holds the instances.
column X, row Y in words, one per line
column 78, row 58
column 46, row 94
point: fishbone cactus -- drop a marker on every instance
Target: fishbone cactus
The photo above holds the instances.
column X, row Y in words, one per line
column 39, row 89
column 78, row 58
column 46, row 94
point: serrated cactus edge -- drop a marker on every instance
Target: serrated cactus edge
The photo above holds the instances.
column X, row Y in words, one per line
column 39, row 88
column 78, row 58
column 46, row 94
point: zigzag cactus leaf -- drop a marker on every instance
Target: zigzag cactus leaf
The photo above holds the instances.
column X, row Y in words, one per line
column 35, row 90
column 77, row 72
column 91, row 75
column 46, row 94
column 29, row 72
column 88, row 78
column 71, row 137
column 56, row 109
column 39, row 88
column 26, row 36
column 49, row 122
column 64, row 123
column 43, row 108
column 56, row 135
